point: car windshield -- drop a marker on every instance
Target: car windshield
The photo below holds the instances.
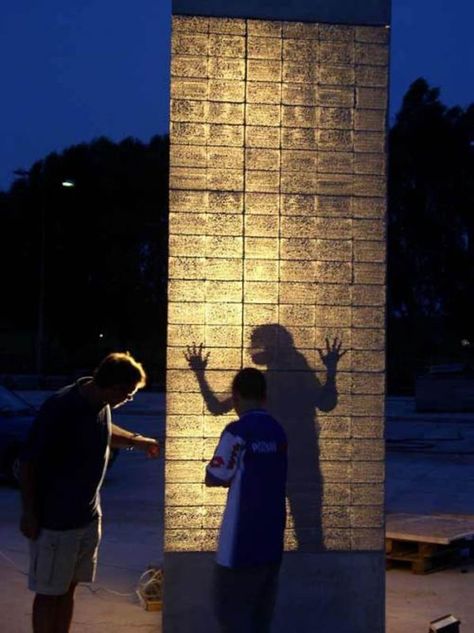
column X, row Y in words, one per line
column 11, row 404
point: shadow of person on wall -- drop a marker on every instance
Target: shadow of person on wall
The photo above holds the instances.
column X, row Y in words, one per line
column 295, row 394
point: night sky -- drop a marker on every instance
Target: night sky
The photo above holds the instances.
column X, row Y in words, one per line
column 72, row 73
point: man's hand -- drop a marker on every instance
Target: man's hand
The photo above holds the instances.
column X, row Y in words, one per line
column 332, row 355
column 29, row 526
column 147, row 444
column 197, row 359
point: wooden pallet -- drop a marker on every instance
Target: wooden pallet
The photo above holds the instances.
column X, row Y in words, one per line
column 427, row 543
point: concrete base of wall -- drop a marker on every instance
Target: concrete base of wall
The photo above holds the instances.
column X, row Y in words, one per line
column 341, row 592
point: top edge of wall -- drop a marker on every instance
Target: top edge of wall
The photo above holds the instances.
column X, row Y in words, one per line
column 354, row 12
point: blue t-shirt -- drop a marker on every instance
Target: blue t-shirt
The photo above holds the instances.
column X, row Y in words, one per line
column 251, row 458
column 68, row 445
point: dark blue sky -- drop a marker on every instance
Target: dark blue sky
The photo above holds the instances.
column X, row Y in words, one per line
column 74, row 71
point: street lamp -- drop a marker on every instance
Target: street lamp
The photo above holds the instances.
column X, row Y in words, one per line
column 67, row 183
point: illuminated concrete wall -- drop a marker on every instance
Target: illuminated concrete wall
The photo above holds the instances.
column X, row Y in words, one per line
column 277, row 228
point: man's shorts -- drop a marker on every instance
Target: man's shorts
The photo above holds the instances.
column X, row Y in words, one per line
column 60, row 558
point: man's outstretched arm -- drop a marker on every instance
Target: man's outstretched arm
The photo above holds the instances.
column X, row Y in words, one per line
column 122, row 438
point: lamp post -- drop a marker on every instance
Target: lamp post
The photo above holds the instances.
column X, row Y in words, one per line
column 68, row 183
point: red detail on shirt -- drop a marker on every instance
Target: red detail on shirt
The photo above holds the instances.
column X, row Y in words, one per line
column 217, row 462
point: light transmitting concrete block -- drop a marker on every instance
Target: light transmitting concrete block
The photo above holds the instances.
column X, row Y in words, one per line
column 277, row 243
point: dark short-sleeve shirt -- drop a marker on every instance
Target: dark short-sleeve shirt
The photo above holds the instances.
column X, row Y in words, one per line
column 68, row 445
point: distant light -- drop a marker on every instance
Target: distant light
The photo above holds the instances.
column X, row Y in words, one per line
column 465, row 342
column 101, row 335
column 68, row 183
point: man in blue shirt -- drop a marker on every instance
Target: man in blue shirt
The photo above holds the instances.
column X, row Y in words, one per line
column 251, row 460
column 63, row 467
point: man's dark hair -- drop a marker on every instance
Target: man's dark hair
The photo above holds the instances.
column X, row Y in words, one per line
column 250, row 383
column 119, row 368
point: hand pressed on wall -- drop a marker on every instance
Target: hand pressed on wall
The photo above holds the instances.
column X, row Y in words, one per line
column 332, row 354
column 197, row 359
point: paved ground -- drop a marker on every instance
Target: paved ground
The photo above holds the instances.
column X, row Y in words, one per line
column 430, row 468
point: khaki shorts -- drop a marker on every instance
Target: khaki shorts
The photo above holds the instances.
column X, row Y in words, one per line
column 60, row 558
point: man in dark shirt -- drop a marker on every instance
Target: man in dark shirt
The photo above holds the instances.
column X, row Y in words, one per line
column 250, row 459
column 63, row 467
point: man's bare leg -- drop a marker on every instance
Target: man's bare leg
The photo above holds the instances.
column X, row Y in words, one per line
column 53, row 614
column 64, row 610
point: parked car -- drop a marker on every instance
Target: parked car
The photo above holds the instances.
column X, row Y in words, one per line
column 16, row 418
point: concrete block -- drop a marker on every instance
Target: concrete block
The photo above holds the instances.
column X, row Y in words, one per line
column 231, row 290
column 189, row 66
column 180, row 494
column 225, row 113
column 262, row 181
column 370, row 164
column 365, row 141
column 299, row 226
column 185, row 244
column 186, row 268
column 184, row 425
column 263, row 114
column 336, row 53
column 368, row 339
column 225, row 158
column 226, row 247
column 300, row 94
column 299, row 160
column 188, row 111
column 337, row 494
column 262, row 203
column 180, row 518
column 364, row 383
column 260, row 314
column 367, row 405
column 367, row 186
column 300, row 116
column 223, row 335
column 224, row 269
column 226, row 68
column 369, row 251
column 222, row 90
column 186, row 313
column 336, row 96
column 261, row 248
column 371, row 98
column 185, row 88
column 367, row 517
column 335, row 162
column 367, row 494
column 223, row 314
column 192, row 201
column 299, row 138
column 223, row 45
column 261, row 226
column 297, row 205
column 369, row 273
column 332, row 295
column 297, row 293
column 260, row 292
column 371, row 120
column 335, row 140
column 368, row 208
column 368, row 317
column 335, row 472
column 185, row 43
column 335, row 184
column 264, row 70
column 333, row 206
column 264, row 47
column 333, row 272
column 190, row 24
column 263, row 92
column 368, row 295
column 188, row 133
column 300, row 31
column 186, row 404
column 299, row 182
column 262, row 159
column 184, row 472
column 336, row 118
column 367, row 539
column 259, row 136
column 371, row 54
column 334, row 517
column 336, row 75
column 293, row 71
column 364, row 360
column 225, row 201
column 367, row 428
column 368, row 472
column 261, row 269
column 337, row 317
column 335, row 427
column 184, row 448
column 292, row 271
column 300, row 50
column 231, row 26
column 371, row 76
column 184, row 290
column 188, row 156
column 333, row 250
column 298, row 315
column 183, row 540
column 188, row 178
column 223, row 224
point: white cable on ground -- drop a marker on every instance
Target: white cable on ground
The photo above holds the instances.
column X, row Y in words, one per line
column 13, row 564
